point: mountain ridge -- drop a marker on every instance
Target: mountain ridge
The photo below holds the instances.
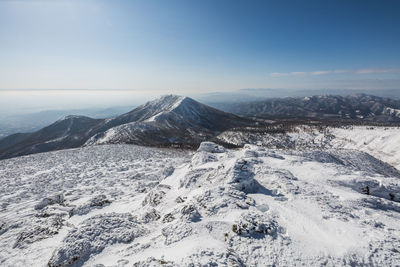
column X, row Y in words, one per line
column 164, row 121
column 357, row 106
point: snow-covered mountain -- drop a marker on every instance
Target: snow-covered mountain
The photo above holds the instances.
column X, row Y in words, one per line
column 68, row 132
column 165, row 121
column 356, row 107
column 168, row 119
column 125, row 205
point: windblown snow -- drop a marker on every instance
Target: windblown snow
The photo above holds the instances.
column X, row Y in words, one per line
column 126, row 205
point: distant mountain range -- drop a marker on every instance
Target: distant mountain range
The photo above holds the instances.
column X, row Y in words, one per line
column 169, row 120
column 257, row 94
column 357, row 107
column 183, row 122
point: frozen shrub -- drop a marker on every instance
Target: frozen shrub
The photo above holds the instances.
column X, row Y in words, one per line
column 168, row 218
column 194, row 177
column 179, row 200
column 56, row 199
column 150, row 216
column 190, row 213
column 253, row 224
column 93, row 235
column 153, row 198
column 42, row 229
column 95, row 202
column 153, row 262
column 202, row 157
column 176, row 232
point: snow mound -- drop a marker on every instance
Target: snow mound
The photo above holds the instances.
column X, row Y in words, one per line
column 93, row 235
column 211, row 148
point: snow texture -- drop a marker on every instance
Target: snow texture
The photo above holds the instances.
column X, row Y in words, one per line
column 125, row 205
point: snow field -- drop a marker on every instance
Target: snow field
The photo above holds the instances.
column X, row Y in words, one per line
column 124, row 205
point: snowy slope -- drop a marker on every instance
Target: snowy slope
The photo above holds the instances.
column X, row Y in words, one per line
column 68, row 132
column 380, row 142
column 121, row 205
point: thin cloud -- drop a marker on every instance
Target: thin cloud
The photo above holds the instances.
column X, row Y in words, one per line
column 327, row 72
column 298, row 73
column 368, row 71
column 283, row 74
column 321, row 72
column 278, row 74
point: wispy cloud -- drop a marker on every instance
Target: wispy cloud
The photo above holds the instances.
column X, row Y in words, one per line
column 282, row 74
column 326, row 72
column 368, row 71
column 320, row 72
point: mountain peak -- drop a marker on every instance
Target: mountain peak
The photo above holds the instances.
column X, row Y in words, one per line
column 167, row 102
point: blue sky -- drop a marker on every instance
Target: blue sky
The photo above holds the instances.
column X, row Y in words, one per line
column 199, row 46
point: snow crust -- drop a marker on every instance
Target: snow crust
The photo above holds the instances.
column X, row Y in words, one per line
column 125, row 205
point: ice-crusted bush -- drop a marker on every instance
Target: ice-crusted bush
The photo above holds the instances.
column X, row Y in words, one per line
column 214, row 258
column 190, row 213
column 175, row 232
column 211, row 148
column 202, row 157
column 179, row 200
column 254, row 225
column 56, row 199
column 94, row 203
column 193, row 177
column 213, row 201
column 153, row 262
column 93, row 235
column 154, row 197
column 41, row 229
column 3, row 227
column 168, row 218
column 150, row 216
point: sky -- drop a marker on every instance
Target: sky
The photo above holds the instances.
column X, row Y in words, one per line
column 153, row 47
